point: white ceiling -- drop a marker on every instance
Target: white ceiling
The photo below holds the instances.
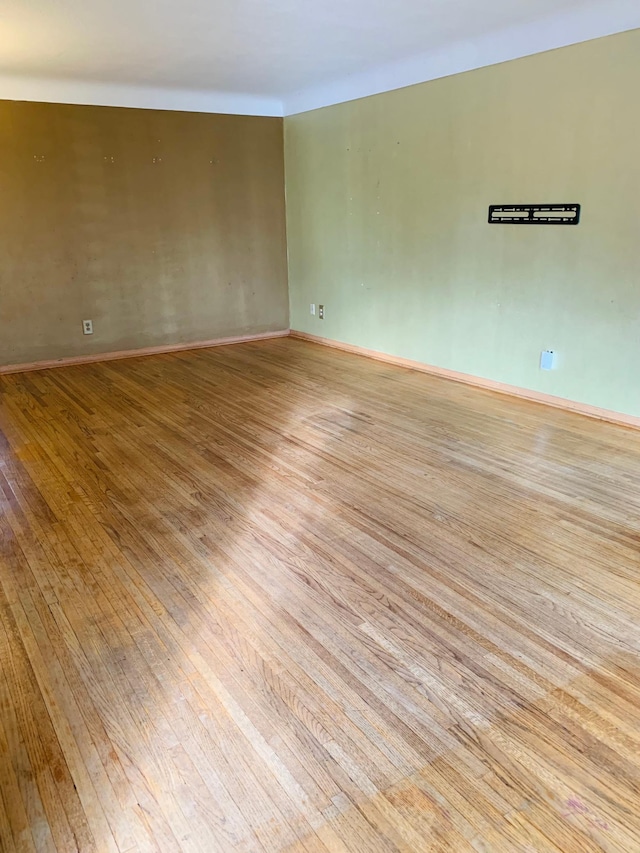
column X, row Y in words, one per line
column 272, row 56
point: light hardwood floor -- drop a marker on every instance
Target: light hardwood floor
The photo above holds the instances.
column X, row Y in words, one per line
column 275, row 597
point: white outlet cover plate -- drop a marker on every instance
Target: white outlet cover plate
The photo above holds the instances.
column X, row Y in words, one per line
column 547, row 360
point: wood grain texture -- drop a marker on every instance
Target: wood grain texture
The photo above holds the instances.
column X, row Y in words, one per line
column 478, row 381
column 277, row 597
column 137, row 353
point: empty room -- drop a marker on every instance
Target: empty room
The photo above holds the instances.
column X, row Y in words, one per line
column 320, row 426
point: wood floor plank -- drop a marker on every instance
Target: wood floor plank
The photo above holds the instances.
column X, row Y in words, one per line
column 275, row 597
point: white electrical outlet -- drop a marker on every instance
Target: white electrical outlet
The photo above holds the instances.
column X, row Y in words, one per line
column 87, row 327
column 312, row 308
column 547, row 360
column 321, row 312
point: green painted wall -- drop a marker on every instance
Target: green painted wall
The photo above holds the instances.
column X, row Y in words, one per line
column 387, row 203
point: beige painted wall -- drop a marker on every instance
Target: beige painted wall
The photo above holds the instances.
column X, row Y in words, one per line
column 387, row 203
column 161, row 227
